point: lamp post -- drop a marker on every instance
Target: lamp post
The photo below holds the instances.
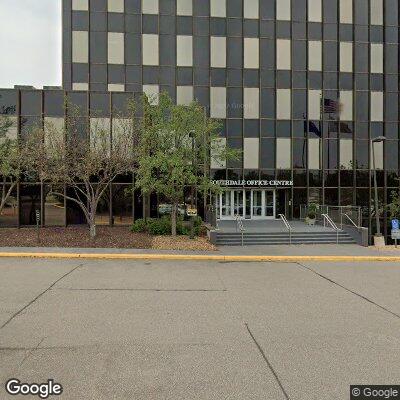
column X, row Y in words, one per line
column 192, row 136
column 378, row 239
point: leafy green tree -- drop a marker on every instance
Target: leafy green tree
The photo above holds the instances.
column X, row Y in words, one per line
column 175, row 147
column 394, row 206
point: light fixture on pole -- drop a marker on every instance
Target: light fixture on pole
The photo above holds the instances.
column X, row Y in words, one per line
column 379, row 240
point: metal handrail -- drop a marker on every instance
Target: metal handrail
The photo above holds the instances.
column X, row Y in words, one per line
column 351, row 221
column 288, row 226
column 239, row 225
column 329, row 220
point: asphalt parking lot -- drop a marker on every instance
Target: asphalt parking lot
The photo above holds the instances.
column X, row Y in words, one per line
column 199, row 330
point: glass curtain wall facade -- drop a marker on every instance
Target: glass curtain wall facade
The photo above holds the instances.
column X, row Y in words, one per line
column 45, row 108
column 301, row 86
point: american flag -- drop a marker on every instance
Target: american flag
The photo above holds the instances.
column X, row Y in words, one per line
column 330, row 106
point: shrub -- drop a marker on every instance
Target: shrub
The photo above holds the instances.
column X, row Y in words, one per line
column 139, row 226
column 160, row 226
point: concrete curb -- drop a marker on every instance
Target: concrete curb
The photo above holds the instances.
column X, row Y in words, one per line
column 199, row 257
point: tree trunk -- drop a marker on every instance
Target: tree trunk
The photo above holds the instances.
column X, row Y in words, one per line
column 92, row 227
column 5, row 196
column 173, row 219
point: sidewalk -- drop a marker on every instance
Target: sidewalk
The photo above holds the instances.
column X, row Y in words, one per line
column 224, row 253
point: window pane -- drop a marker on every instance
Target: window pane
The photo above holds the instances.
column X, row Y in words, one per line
column 218, row 102
column 346, row 153
column 184, row 95
column 346, row 11
column 54, row 210
column 80, row 5
column 251, row 8
column 116, row 6
column 150, row 50
column 184, row 51
column 283, row 8
column 346, row 104
column 283, row 56
column 251, row 103
column 346, row 57
column 9, row 214
column 314, row 11
column 376, row 106
column 218, row 8
column 122, row 201
column 150, row 6
column 184, row 7
column 283, row 152
column 314, row 55
column 283, row 104
column 115, row 48
column 218, row 52
column 251, row 53
column 376, row 58
column 152, row 92
column 378, row 151
column 251, row 153
column 314, row 104
column 314, row 150
column 377, row 12
column 218, row 148
column 80, row 46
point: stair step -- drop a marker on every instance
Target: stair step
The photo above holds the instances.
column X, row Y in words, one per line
column 282, row 238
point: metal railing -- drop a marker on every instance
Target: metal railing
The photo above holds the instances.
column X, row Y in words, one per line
column 239, row 225
column 341, row 215
column 351, row 221
column 288, row 227
column 328, row 219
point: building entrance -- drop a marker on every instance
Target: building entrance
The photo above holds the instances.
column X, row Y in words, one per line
column 248, row 203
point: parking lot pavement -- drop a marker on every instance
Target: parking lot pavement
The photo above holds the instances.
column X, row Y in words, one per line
column 199, row 330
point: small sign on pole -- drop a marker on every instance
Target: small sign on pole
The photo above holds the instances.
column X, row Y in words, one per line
column 38, row 224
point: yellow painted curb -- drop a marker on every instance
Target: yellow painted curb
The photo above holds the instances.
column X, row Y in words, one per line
column 199, row 257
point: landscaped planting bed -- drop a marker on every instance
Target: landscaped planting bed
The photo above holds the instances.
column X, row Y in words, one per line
column 107, row 237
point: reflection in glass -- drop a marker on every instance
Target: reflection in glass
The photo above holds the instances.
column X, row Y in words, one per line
column 122, row 204
column 9, row 213
column 54, row 210
column 29, row 203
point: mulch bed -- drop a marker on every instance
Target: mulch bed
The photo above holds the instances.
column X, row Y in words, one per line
column 107, row 237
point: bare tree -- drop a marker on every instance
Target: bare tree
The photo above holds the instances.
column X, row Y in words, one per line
column 85, row 164
column 11, row 160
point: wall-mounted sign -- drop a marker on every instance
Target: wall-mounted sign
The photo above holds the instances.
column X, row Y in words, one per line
column 191, row 212
column 251, row 183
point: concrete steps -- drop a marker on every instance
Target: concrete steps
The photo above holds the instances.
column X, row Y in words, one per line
column 279, row 238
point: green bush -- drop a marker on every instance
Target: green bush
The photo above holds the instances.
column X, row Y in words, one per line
column 163, row 226
column 160, row 226
column 139, row 226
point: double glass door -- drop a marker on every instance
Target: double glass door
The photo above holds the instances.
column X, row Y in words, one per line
column 248, row 203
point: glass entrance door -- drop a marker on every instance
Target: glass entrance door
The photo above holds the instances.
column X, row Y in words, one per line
column 238, row 202
column 226, row 204
column 257, row 203
column 248, row 203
